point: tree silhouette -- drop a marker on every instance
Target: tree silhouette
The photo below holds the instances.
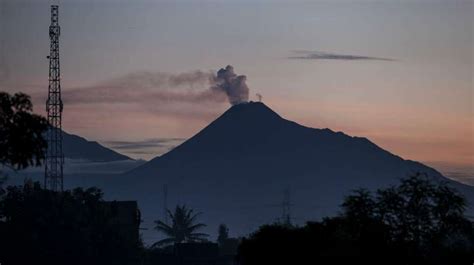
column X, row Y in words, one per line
column 419, row 221
column 223, row 234
column 421, row 215
column 419, row 209
column 183, row 227
column 359, row 205
column 21, row 132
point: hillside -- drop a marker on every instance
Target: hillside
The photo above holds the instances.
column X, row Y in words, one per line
column 76, row 147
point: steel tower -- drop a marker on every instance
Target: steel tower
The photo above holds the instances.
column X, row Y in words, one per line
column 54, row 159
column 286, row 208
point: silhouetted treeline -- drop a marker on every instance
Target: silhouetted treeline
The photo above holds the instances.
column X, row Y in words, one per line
column 417, row 222
column 38, row 226
column 21, row 134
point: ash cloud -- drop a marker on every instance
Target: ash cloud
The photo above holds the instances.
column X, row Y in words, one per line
column 232, row 84
column 155, row 88
column 317, row 55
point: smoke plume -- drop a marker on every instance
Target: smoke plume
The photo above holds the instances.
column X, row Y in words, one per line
column 232, row 84
column 155, row 88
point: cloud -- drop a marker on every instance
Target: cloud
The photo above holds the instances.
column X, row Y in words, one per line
column 317, row 55
column 145, row 149
column 464, row 177
column 144, row 144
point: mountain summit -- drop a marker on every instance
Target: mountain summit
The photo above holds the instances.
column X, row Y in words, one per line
column 237, row 169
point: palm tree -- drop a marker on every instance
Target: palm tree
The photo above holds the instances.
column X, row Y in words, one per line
column 183, row 227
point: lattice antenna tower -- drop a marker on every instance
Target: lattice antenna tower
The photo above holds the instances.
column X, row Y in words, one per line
column 286, row 207
column 54, row 159
column 165, row 203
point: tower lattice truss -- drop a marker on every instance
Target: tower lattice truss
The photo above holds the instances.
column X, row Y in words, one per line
column 54, row 159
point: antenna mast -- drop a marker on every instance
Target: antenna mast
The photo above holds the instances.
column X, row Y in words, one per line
column 54, row 159
column 165, row 203
column 286, row 207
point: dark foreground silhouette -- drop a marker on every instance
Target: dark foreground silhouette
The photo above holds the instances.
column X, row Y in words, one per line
column 183, row 227
column 38, row 226
column 21, row 133
column 417, row 222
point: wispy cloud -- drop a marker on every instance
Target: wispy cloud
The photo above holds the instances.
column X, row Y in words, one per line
column 318, row 55
column 145, row 144
column 145, row 149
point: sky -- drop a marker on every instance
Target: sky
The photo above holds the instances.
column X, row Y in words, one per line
column 397, row 72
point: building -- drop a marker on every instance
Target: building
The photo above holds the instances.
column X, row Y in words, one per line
column 126, row 217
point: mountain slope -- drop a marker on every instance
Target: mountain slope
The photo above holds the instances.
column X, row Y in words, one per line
column 237, row 168
column 76, row 147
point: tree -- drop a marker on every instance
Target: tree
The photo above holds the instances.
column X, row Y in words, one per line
column 416, row 222
column 21, row 132
column 418, row 209
column 423, row 217
column 223, row 234
column 359, row 205
column 183, row 228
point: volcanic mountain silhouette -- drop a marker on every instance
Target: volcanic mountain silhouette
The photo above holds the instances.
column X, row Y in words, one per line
column 237, row 168
column 76, row 147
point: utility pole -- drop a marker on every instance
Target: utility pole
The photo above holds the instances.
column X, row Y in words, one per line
column 54, row 159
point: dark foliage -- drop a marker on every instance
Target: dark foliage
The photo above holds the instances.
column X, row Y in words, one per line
column 183, row 227
column 223, row 234
column 417, row 222
column 38, row 226
column 227, row 245
column 21, row 132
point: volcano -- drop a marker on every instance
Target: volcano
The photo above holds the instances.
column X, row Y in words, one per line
column 249, row 164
